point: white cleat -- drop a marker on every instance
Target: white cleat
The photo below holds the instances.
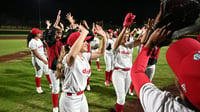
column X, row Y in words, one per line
column 55, row 109
column 130, row 93
column 50, row 85
column 88, row 87
column 39, row 90
column 107, row 83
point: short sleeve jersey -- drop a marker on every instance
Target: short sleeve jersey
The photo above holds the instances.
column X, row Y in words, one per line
column 123, row 57
column 77, row 74
column 94, row 41
column 111, row 43
column 38, row 45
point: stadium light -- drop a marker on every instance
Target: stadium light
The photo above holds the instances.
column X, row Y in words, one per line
column 39, row 14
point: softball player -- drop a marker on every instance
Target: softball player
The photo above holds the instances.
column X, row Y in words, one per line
column 122, row 63
column 108, row 58
column 150, row 70
column 39, row 59
column 187, row 77
column 94, row 48
column 54, row 45
column 182, row 56
column 77, row 70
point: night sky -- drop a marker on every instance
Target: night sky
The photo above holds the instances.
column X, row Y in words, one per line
column 110, row 11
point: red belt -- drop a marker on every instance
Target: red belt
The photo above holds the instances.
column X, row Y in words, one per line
column 125, row 69
column 79, row 93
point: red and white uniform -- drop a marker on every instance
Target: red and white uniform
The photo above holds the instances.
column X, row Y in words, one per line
column 39, row 66
column 94, row 42
column 108, row 57
column 121, row 74
column 151, row 98
column 73, row 98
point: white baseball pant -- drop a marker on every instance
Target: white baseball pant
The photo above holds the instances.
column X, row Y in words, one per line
column 55, row 82
column 150, row 71
column 121, row 82
column 74, row 103
column 39, row 67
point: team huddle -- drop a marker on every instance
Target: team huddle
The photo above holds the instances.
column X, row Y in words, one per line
column 70, row 49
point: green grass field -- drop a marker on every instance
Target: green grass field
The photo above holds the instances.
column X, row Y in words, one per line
column 18, row 86
column 12, row 45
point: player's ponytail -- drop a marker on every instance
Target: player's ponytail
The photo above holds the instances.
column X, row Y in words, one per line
column 59, row 67
column 29, row 37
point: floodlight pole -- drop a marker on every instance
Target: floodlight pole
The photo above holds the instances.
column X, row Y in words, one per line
column 39, row 14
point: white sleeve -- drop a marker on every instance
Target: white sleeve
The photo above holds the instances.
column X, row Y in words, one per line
column 154, row 100
column 32, row 45
column 87, row 56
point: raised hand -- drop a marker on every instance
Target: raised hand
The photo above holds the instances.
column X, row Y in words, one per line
column 150, row 24
column 62, row 26
column 70, row 18
column 99, row 30
column 48, row 23
column 57, row 19
column 157, row 37
column 128, row 20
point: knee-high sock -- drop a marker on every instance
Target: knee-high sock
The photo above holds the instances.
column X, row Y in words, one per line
column 118, row 107
column 110, row 75
column 37, row 81
column 98, row 64
column 55, row 100
column 48, row 78
column 107, row 75
column 131, row 87
column 88, row 81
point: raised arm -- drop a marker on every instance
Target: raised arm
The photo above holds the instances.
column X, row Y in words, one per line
column 138, row 76
column 127, row 22
column 98, row 29
column 85, row 24
column 119, row 38
column 56, row 24
column 148, row 28
column 76, row 47
column 71, row 20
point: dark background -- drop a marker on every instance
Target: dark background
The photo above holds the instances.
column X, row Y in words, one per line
column 111, row 12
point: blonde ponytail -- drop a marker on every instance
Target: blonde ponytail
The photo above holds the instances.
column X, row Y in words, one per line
column 59, row 66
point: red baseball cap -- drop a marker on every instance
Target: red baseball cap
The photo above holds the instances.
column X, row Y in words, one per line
column 111, row 31
column 183, row 57
column 35, row 31
column 74, row 36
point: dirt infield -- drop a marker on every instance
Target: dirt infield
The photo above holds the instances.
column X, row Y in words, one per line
column 14, row 56
column 135, row 106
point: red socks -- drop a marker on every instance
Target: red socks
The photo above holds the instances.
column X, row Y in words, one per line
column 55, row 100
column 118, row 107
column 48, row 78
column 107, row 74
column 37, row 81
column 131, row 88
column 88, row 81
column 110, row 76
column 98, row 64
